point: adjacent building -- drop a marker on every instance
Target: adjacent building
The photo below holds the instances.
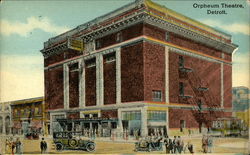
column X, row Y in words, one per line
column 5, row 118
column 241, row 101
column 28, row 116
column 142, row 69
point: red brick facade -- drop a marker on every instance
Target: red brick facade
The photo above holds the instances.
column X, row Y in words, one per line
column 228, row 86
column 154, row 70
column 54, row 88
column 132, row 88
column 73, row 86
column 90, row 85
column 109, row 114
column 109, row 75
column 204, row 74
column 176, row 115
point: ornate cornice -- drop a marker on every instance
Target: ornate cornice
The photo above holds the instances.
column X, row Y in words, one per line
column 126, row 16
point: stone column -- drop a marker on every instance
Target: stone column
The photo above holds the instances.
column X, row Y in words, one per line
column 222, row 84
column 82, row 83
column 119, row 124
column 99, row 80
column 118, row 75
column 144, row 126
column 66, row 85
column 167, row 83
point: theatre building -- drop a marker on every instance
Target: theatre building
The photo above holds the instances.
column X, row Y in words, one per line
column 142, row 69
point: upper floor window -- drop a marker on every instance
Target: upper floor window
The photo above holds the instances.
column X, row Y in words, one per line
column 181, row 88
column 167, row 36
column 181, row 61
column 90, row 63
column 73, row 67
column 119, row 37
column 109, row 57
column 97, row 44
column 157, row 95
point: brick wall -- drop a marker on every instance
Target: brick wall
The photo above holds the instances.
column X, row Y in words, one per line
column 154, row 32
column 132, row 73
column 204, row 74
column 53, row 59
column 154, row 69
column 126, row 34
column 54, row 88
column 62, row 55
column 109, row 73
column 160, row 34
column 109, row 114
column 227, row 86
column 73, row 87
column 90, row 85
column 187, row 43
column 175, row 115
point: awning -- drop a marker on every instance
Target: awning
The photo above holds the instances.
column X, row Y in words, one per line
column 36, row 124
column 17, row 125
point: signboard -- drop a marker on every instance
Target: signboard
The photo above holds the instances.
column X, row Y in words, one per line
column 75, row 44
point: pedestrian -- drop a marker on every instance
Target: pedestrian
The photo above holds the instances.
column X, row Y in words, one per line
column 166, row 142
column 43, row 146
column 210, row 144
column 175, row 144
column 204, row 144
column 190, row 147
column 8, row 146
column 180, row 143
column 13, row 145
column 18, row 146
column 171, row 146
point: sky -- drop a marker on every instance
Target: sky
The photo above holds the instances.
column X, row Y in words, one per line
column 26, row 25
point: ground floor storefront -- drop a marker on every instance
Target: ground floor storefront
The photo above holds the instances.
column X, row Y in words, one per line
column 136, row 120
column 31, row 129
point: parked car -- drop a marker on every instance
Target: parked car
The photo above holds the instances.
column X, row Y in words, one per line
column 66, row 141
column 147, row 145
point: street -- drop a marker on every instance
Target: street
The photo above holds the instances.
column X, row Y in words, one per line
column 221, row 145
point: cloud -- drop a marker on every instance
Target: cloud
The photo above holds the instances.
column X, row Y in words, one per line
column 23, row 29
column 237, row 28
column 21, row 77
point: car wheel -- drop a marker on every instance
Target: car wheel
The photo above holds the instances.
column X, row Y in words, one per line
column 90, row 147
column 59, row 147
column 72, row 143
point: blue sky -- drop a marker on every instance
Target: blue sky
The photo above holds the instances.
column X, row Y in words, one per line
column 25, row 25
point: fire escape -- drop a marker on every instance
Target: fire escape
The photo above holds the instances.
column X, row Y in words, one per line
column 206, row 107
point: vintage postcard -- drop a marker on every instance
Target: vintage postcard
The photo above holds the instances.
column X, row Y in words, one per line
column 124, row 77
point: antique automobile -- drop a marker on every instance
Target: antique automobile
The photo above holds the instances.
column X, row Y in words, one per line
column 67, row 141
column 148, row 145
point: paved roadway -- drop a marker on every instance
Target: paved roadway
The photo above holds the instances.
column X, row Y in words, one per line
column 221, row 145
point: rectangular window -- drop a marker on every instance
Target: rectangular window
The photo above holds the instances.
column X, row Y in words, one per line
column 156, row 115
column 97, row 44
column 182, row 125
column 94, row 115
column 157, row 95
column 167, row 36
column 181, row 61
column 73, row 67
column 113, row 125
column 131, row 115
column 86, row 116
column 181, row 88
column 119, row 37
column 109, row 57
column 90, row 63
